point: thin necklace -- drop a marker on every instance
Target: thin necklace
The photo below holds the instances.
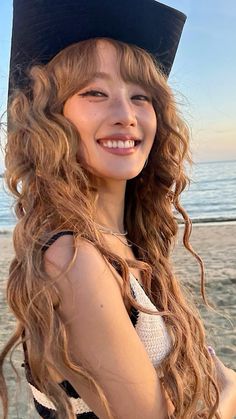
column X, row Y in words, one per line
column 110, row 231
column 114, row 233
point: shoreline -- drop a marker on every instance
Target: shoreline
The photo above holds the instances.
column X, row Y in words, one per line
column 195, row 222
column 211, row 221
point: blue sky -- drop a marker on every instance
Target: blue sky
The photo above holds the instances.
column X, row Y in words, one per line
column 203, row 75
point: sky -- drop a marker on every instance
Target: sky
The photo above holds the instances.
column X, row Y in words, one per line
column 202, row 77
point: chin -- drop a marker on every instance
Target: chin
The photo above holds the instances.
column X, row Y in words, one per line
column 116, row 174
column 124, row 176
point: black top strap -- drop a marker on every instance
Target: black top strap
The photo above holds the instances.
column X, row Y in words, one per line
column 55, row 237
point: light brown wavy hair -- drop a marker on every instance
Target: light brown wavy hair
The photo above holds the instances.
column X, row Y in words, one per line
column 54, row 192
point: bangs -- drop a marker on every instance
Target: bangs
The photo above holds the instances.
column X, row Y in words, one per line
column 76, row 66
column 137, row 66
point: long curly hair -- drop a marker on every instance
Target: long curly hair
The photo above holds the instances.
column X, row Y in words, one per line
column 54, row 192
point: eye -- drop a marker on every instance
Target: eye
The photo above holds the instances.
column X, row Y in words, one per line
column 95, row 93
column 148, row 99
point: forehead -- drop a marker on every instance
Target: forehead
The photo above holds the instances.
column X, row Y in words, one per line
column 105, row 48
column 114, row 63
column 106, row 55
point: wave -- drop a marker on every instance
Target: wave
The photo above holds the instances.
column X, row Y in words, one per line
column 215, row 220
column 6, row 230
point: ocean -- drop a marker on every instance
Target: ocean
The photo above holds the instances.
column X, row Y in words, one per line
column 211, row 196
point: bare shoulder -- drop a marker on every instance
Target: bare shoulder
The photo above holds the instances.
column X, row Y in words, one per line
column 61, row 252
column 88, row 272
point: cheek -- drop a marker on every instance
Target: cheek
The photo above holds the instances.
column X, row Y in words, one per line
column 151, row 123
column 154, row 123
column 73, row 114
column 69, row 112
column 67, row 108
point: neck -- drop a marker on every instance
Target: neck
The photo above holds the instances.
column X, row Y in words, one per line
column 110, row 206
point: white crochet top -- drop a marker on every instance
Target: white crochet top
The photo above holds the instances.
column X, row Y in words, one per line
column 150, row 327
column 152, row 332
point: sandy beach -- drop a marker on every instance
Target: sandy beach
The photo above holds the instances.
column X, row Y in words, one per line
column 216, row 245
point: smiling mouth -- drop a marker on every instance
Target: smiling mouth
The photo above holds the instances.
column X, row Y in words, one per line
column 112, row 144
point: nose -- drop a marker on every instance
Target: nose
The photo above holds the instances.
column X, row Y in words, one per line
column 123, row 112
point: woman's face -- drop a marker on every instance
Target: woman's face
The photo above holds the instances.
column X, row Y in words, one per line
column 113, row 107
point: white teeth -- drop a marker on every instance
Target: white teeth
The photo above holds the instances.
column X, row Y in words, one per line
column 118, row 144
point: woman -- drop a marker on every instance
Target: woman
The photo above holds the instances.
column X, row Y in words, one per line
column 95, row 157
